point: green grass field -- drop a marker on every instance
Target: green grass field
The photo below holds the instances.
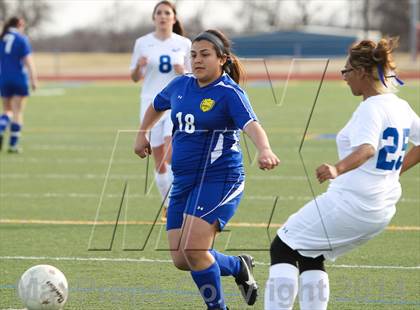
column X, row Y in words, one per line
column 78, row 155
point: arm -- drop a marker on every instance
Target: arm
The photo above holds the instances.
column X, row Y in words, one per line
column 29, row 63
column 141, row 145
column 411, row 159
column 353, row 161
column 266, row 158
column 136, row 73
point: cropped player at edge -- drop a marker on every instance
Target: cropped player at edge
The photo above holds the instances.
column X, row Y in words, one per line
column 15, row 64
column 364, row 189
column 159, row 57
column 208, row 111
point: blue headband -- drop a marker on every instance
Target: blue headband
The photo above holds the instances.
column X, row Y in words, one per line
column 382, row 76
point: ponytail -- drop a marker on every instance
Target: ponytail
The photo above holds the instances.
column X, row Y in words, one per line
column 233, row 67
column 12, row 22
column 178, row 28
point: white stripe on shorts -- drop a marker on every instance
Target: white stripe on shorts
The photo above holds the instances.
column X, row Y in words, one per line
column 229, row 196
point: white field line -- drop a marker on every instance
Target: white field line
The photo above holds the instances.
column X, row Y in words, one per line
column 168, row 261
column 96, row 196
column 231, row 224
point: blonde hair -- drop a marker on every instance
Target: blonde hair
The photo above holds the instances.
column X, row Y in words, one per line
column 376, row 59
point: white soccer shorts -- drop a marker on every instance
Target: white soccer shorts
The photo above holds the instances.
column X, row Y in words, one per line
column 162, row 129
column 332, row 225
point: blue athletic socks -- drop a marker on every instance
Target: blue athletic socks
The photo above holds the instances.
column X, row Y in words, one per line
column 210, row 286
column 4, row 122
column 229, row 265
column 14, row 134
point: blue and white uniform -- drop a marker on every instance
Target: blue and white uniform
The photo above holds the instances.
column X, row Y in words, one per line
column 161, row 55
column 206, row 158
column 14, row 47
column 360, row 203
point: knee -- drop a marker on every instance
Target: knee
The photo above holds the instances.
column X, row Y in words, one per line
column 180, row 263
column 195, row 257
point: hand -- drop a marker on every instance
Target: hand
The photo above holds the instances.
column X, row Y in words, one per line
column 267, row 160
column 34, row 85
column 326, row 172
column 142, row 145
column 179, row 69
column 142, row 62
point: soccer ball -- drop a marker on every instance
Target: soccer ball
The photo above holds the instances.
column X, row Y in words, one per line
column 43, row 287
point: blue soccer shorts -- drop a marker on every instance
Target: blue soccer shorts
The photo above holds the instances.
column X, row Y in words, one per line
column 210, row 201
column 13, row 88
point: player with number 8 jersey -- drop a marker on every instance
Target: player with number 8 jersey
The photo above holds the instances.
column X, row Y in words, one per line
column 162, row 57
column 158, row 57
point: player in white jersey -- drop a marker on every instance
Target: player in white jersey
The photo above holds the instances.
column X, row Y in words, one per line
column 364, row 188
column 158, row 57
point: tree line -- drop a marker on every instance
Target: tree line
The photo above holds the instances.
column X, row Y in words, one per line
column 390, row 17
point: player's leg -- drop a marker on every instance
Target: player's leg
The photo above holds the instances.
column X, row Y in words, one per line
column 178, row 258
column 167, row 138
column 196, row 240
column 5, row 117
column 217, row 203
column 174, row 230
column 314, row 288
column 18, row 106
column 282, row 284
column 163, row 176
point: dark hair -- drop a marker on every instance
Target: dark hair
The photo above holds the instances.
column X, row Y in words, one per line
column 222, row 45
column 177, row 27
column 375, row 58
column 12, row 22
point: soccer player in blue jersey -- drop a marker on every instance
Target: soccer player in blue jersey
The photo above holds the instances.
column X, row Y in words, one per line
column 15, row 64
column 208, row 110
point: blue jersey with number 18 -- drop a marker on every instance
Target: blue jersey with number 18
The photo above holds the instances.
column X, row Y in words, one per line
column 207, row 123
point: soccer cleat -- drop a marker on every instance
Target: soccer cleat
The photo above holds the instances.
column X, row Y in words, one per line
column 245, row 279
column 164, row 216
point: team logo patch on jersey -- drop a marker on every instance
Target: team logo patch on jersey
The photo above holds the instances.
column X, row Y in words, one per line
column 207, row 104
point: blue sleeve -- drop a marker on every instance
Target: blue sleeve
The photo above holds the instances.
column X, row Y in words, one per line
column 162, row 100
column 240, row 109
